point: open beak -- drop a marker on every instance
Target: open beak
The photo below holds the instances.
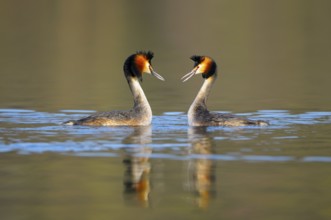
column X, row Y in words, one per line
column 156, row 74
column 190, row 74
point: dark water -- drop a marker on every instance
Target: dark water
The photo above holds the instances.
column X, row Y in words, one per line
column 62, row 60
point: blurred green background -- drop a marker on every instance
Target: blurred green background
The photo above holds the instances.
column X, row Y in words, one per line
column 272, row 54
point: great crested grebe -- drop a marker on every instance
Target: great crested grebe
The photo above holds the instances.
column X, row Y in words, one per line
column 198, row 114
column 141, row 114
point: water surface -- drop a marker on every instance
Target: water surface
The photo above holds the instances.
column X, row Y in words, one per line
column 55, row 170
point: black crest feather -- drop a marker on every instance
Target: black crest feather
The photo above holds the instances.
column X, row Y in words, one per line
column 148, row 54
column 197, row 59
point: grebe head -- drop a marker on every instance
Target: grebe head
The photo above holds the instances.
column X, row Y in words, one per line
column 202, row 65
column 138, row 64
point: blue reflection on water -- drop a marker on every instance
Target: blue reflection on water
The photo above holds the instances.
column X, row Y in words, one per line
column 220, row 157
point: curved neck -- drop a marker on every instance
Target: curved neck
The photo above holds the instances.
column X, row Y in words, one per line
column 201, row 99
column 139, row 98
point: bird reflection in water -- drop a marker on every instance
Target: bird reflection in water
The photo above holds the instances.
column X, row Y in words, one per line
column 201, row 168
column 137, row 166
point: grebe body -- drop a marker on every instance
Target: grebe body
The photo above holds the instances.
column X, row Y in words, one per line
column 198, row 114
column 141, row 114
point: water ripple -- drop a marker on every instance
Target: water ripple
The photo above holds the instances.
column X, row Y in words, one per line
column 29, row 131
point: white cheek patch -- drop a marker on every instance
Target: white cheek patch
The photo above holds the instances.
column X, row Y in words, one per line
column 201, row 69
column 147, row 68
